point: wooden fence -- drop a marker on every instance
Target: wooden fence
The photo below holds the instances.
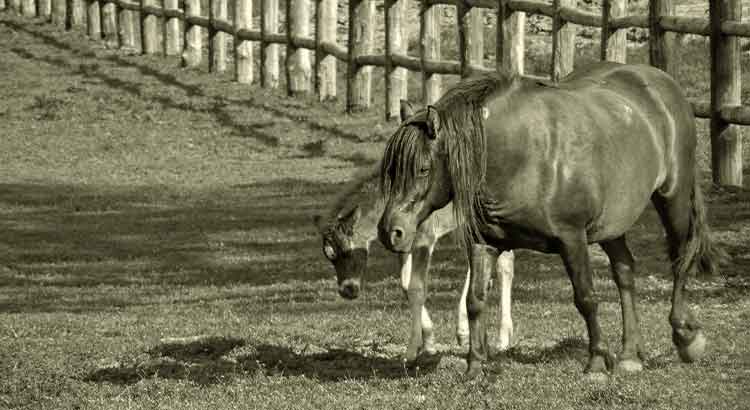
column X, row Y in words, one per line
column 112, row 20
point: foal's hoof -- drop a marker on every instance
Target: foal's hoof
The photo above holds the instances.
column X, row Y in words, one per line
column 694, row 350
column 629, row 366
column 474, row 371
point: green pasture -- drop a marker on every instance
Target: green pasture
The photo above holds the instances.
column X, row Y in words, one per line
column 157, row 251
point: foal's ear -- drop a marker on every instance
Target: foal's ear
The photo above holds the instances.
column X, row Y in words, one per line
column 351, row 217
column 407, row 110
column 317, row 221
column 433, row 122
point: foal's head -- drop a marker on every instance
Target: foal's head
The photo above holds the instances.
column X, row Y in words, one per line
column 346, row 249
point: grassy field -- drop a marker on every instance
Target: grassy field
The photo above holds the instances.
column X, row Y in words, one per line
column 157, row 252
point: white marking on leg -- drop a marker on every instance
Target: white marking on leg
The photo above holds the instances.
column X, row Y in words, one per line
column 505, row 277
column 462, row 322
column 406, row 273
column 428, row 341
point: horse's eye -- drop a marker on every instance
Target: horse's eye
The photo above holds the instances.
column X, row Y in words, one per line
column 424, row 171
column 329, row 251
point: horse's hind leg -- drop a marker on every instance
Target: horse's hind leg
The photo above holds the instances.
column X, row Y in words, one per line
column 676, row 214
column 623, row 269
column 574, row 253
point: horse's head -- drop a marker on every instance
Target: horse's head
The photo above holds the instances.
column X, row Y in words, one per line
column 346, row 250
column 414, row 177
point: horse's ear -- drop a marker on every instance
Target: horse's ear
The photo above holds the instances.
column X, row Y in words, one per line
column 351, row 217
column 433, row 122
column 407, row 110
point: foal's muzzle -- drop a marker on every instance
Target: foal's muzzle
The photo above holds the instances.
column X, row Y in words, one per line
column 349, row 289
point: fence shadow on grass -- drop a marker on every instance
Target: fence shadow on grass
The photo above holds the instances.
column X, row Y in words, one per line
column 211, row 360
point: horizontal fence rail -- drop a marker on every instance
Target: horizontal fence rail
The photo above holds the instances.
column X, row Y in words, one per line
column 112, row 20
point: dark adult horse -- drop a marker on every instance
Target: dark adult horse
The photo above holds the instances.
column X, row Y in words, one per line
column 555, row 167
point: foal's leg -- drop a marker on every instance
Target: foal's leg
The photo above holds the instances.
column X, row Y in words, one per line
column 462, row 322
column 483, row 259
column 623, row 269
column 413, row 281
column 676, row 215
column 575, row 256
column 505, row 279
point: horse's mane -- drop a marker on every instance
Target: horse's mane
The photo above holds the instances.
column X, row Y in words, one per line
column 460, row 111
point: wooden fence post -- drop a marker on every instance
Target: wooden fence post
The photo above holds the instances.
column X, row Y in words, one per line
column 563, row 42
column 94, row 20
column 325, row 33
column 43, row 8
column 126, row 29
column 217, row 44
column 149, row 22
column 298, row 67
column 726, row 139
column 614, row 43
column 510, row 44
column 172, row 35
column 2, row 5
column 661, row 42
column 59, row 12
column 359, row 80
column 269, row 52
column 429, row 49
column 109, row 24
column 192, row 52
column 395, row 77
column 74, row 14
column 462, row 21
column 475, row 38
column 28, row 8
column 243, row 50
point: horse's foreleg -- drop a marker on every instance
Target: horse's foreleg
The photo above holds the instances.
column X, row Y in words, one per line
column 623, row 269
column 462, row 322
column 482, row 259
column 413, row 280
column 575, row 256
column 505, row 279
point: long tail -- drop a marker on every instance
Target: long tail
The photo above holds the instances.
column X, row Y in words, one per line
column 699, row 247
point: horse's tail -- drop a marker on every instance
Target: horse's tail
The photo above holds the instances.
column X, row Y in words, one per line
column 699, row 247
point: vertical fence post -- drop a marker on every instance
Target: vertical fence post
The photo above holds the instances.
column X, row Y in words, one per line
column 726, row 139
column 172, row 35
column 429, row 49
column 2, row 5
column 563, row 42
column 58, row 12
column 217, row 45
column 511, row 33
column 94, row 20
column 475, row 38
column 126, row 29
column 325, row 33
column 74, row 14
column 43, row 8
column 614, row 46
column 395, row 77
column 359, row 79
column 661, row 42
column 243, row 50
column 298, row 67
column 148, row 30
column 14, row 6
column 192, row 52
column 109, row 24
column 269, row 52
column 28, row 8
column 462, row 21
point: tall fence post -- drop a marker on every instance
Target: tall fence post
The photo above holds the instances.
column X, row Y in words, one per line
column 510, row 44
column 429, row 49
column 661, row 42
column 359, row 80
column 73, row 14
column 726, row 139
column 462, row 22
column 172, row 35
column 14, row 6
column 614, row 46
column 59, row 11
column 28, row 8
column 563, row 42
column 475, row 38
column 192, row 52
column 325, row 64
column 109, row 24
column 243, row 50
column 269, row 52
column 217, row 45
column 149, row 22
column 395, row 77
column 126, row 28
column 43, row 8
column 94, row 20
column 298, row 67
column 2, row 5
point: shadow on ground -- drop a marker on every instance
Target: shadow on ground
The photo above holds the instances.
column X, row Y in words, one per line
column 210, row 360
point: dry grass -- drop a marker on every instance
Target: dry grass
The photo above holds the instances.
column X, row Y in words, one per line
column 140, row 203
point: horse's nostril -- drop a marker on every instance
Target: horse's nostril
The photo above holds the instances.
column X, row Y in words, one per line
column 397, row 234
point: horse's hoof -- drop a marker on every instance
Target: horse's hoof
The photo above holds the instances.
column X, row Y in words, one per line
column 629, row 366
column 694, row 350
column 596, row 377
column 474, row 371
